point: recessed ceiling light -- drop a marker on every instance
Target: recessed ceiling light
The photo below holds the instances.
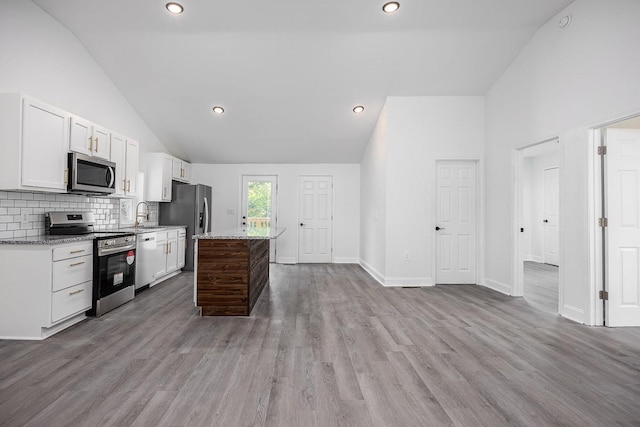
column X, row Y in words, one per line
column 564, row 21
column 391, row 7
column 175, row 8
column 218, row 109
column 358, row 109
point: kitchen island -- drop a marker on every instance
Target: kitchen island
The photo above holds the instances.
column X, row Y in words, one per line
column 231, row 270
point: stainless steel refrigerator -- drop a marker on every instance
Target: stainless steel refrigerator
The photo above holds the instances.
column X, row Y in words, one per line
column 190, row 206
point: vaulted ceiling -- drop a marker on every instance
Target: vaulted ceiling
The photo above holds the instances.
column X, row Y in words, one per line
column 289, row 72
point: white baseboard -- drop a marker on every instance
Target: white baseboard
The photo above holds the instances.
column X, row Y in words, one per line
column 163, row 278
column 346, row 260
column 396, row 281
column 496, row 286
column 286, row 260
column 572, row 313
column 372, row 271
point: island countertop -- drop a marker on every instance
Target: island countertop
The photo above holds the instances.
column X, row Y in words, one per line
column 243, row 234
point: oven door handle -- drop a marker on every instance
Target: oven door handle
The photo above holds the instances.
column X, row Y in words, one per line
column 110, row 251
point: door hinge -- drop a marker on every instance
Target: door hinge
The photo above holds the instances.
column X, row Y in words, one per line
column 603, row 222
column 602, row 150
column 604, row 295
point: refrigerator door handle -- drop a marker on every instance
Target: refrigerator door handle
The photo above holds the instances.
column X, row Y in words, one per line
column 206, row 215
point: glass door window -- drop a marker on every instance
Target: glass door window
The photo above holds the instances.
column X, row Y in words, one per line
column 259, row 203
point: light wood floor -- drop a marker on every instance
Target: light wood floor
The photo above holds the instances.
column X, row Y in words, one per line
column 541, row 286
column 325, row 346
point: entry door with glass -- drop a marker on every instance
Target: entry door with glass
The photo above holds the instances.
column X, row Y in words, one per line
column 259, row 204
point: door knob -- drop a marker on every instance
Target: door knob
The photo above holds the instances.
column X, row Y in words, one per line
column 439, row 228
column 301, row 224
column 545, row 221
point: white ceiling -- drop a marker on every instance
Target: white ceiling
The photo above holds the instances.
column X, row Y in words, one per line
column 288, row 72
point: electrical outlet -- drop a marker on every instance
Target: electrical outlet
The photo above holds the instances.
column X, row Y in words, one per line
column 24, row 218
column 406, row 256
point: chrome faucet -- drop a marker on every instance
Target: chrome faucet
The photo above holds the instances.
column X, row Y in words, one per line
column 143, row 215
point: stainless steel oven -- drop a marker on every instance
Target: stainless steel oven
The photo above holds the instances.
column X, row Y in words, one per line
column 89, row 175
column 114, row 271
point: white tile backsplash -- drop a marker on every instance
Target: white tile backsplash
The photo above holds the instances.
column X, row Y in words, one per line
column 14, row 204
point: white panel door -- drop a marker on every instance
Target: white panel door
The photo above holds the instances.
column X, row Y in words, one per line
column 259, row 205
column 315, row 236
column 456, row 222
column 550, row 221
column 623, row 231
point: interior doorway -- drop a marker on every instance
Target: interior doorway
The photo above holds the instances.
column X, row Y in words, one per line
column 259, row 206
column 538, row 258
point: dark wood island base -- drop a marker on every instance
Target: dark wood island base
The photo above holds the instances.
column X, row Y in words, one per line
column 231, row 275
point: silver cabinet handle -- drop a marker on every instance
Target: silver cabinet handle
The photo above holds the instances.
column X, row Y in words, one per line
column 77, row 252
column 76, row 292
column 76, row 264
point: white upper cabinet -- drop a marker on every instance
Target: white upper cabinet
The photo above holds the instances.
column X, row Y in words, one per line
column 125, row 153
column 34, row 139
column 88, row 138
column 158, row 179
column 131, row 169
column 44, row 151
column 181, row 170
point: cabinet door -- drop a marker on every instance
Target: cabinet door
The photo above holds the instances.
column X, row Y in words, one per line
column 131, row 172
column 81, row 138
column 160, row 257
column 176, row 170
column 45, row 139
column 182, row 243
column 186, row 171
column 118, row 156
column 172, row 256
column 101, row 140
column 167, row 167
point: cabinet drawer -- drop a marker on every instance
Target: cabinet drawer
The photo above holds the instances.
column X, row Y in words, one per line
column 70, row 272
column 73, row 251
column 172, row 234
column 71, row 301
column 182, row 232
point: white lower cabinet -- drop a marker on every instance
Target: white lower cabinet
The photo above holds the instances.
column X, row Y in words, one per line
column 169, row 254
column 45, row 288
column 69, row 301
column 182, row 246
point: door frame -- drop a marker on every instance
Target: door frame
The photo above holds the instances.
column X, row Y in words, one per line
column 479, row 216
column 517, row 258
column 333, row 207
column 277, row 206
column 598, row 209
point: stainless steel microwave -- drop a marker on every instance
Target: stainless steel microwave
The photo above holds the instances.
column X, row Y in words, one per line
column 90, row 175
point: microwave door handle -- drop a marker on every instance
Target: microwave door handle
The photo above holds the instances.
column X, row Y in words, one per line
column 112, row 174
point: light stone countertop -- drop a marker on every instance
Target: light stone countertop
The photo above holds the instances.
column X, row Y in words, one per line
column 60, row 240
column 45, row 240
column 243, row 234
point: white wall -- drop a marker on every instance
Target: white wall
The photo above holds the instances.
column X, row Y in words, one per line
column 533, row 206
column 412, row 133
column 226, row 181
column 41, row 58
column 562, row 83
column 373, row 200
